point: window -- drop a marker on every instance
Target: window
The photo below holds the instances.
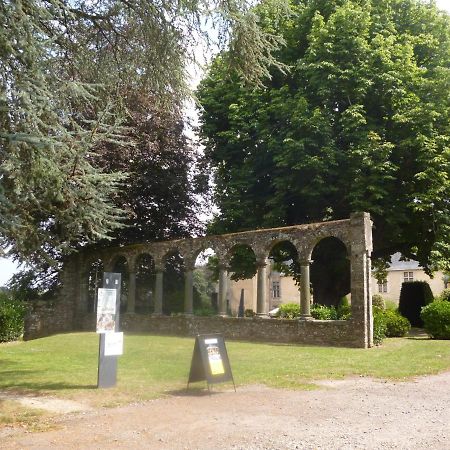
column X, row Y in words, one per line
column 408, row 276
column 382, row 287
column 276, row 289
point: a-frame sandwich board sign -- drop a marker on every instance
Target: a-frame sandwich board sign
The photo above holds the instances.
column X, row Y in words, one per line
column 210, row 361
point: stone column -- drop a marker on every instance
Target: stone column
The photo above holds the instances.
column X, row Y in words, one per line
column 189, row 291
column 361, row 250
column 305, row 293
column 158, row 291
column 131, row 301
column 261, row 291
column 223, row 289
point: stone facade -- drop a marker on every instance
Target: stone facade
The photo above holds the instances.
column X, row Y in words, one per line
column 355, row 233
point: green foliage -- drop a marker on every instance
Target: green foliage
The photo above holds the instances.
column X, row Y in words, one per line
column 396, row 324
column 378, row 301
column 366, row 100
column 83, row 85
column 413, row 296
column 289, row 311
column 391, row 305
column 379, row 325
column 321, row 312
column 444, row 296
column 436, row 318
column 249, row 313
column 12, row 314
column 205, row 311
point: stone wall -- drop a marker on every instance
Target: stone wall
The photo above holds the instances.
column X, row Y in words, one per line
column 337, row 333
column 71, row 307
column 45, row 318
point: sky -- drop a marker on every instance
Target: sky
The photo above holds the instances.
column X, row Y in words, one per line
column 8, row 267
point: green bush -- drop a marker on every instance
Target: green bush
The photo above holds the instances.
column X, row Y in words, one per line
column 321, row 312
column 436, row 318
column 396, row 324
column 378, row 301
column 390, row 305
column 12, row 314
column 205, row 311
column 379, row 325
column 289, row 311
column 414, row 295
column 249, row 313
column 445, row 295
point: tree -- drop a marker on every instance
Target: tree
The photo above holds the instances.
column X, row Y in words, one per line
column 67, row 70
column 360, row 123
column 160, row 199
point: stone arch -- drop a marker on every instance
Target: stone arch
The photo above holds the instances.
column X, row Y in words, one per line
column 144, row 267
column 120, row 264
column 284, row 274
column 94, row 275
column 174, row 270
column 205, row 280
column 242, row 267
column 354, row 234
column 330, row 270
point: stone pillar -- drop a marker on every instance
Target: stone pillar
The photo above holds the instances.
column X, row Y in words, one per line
column 361, row 249
column 158, row 291
column 189, row 291
column 131, row 301
column 261, row 291
column 305, row 293
column 223, row 289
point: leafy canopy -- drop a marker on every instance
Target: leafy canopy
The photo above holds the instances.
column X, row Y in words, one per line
column 69, row 71
column 359, row 123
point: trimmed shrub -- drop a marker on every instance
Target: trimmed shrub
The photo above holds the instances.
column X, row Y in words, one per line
column 396, row 324
column 321, row 312
column 414, row 295
column 379, row 325
column 436, row 318
column 12, row 315
column 378, row 301
column 289, row 311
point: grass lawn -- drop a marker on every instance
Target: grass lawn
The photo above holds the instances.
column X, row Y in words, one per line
column 66, row 365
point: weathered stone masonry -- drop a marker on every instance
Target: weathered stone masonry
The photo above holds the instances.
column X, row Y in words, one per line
column 355, row 233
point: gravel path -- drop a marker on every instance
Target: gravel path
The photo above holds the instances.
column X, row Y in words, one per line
column 357, row 413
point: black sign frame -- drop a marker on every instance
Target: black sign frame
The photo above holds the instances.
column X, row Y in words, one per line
column 210, row 361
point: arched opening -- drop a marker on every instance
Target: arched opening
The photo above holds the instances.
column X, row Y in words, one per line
column 121, row 266
column 95, row 281
column 330, row 272
column 173, row 298
column 242, row 292
column 284, row 275
column 145, row 284
column 206, row 278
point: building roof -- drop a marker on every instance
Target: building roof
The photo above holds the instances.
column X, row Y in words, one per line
column 397, row 264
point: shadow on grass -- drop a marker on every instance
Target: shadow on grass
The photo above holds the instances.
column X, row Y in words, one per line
column 418, row 334
column 17, row 380
column 195, row 391
column 37, row 388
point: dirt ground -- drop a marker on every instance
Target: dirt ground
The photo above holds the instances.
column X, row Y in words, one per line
column 357, row 413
